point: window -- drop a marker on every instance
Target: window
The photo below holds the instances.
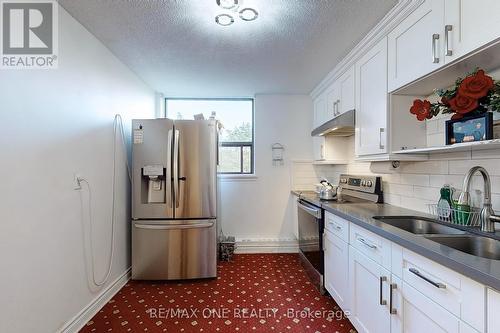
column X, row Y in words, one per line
column 236, row 139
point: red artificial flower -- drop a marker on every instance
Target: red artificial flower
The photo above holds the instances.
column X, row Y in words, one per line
column 476, row 86
column 422, row 109
column 463, row 104
column 457, row 116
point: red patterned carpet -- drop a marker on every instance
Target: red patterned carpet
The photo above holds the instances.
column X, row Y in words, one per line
column 254, row 293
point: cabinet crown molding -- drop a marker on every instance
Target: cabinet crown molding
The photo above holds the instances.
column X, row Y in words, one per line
column 398, row 13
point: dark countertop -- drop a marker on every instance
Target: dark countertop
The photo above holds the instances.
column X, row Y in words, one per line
column 485, row 271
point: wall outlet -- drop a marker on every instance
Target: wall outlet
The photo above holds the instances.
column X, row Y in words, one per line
column 76, row 182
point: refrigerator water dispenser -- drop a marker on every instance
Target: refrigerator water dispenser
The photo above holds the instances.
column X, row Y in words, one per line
column 153, row 179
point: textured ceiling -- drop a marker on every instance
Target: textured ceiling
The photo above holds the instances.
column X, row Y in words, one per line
column 176, row 47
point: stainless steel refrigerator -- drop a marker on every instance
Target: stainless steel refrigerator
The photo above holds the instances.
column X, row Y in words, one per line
column 174, row 191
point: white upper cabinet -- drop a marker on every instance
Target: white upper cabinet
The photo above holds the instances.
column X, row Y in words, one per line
column 340, row 95
column 319, row 111
column 332, row 101
column 371, row 101
column 416, row 44
column 345, row 91
column 469, row 25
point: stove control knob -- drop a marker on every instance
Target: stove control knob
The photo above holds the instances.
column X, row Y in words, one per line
column 363, row 183
column 369, row 183
column 343, row 181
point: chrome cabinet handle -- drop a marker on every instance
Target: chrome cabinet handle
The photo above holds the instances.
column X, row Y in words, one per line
column 334, row 109
column 380, row 145
column 435, row 58
column 364, row 242
column 392, row 287
column 337, row 227
column 447, row 29
column 338, row 103
column 425, row 278
column 382, row 301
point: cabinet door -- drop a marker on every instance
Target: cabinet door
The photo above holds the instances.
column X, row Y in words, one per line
column 332, row 101
column 318, row 148
column 371, row 101
column 319, row 111
column 493, row 314
column 470, row 25
column 346, row 89
column 418, row 313
column 415, row 45
column 369, row 287
column 337, row 269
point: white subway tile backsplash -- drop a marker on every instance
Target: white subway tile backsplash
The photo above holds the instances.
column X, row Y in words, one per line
column 427, row 193
column 427, row 167
column 412, row 179
column 462, row 167
column 406, row 190
column 416, row 204
column 416, row 184
column 439, row 181
column 392, row 199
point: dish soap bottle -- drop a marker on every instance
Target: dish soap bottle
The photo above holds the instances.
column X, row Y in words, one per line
column 445, row 204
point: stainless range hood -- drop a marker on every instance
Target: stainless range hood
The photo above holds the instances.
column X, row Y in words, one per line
column 341, row 125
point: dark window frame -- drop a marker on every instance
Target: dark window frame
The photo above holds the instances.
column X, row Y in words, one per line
column 241, row 145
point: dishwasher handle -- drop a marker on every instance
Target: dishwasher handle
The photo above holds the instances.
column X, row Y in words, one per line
column 314, row 211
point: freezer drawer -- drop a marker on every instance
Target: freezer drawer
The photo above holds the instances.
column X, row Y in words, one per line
column 174, row 250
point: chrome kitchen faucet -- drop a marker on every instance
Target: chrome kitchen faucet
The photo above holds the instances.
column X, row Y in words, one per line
column 488, row 217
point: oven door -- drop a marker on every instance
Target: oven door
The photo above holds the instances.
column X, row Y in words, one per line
column 311, row 234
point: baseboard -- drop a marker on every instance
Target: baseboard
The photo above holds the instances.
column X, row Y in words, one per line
column 76, row 324
column 267, row 246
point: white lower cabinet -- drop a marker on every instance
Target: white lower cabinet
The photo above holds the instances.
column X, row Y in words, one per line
column 418, row 313
column 388, row 289
column 337, row 269
column 493, row 315
column 369, row 286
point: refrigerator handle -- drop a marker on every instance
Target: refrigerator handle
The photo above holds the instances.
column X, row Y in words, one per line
column 173, row 226
column 176, row 168
column 168, row 180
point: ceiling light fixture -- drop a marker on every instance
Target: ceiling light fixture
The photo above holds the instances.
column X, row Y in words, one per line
column 248, row 14
column 233, row 7
column 227, row 4
column 224, row 20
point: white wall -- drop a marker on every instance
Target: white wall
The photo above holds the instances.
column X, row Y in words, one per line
column 259, row 209
column 56, row 123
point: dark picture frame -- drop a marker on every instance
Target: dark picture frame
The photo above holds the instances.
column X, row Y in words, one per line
column 470, row 129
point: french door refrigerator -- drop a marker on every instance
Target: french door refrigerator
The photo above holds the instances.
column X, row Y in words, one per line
column 174, row 191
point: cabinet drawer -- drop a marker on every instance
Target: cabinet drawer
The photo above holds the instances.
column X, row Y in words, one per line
column 456, row 293
column 337, row 226
column 373, row 246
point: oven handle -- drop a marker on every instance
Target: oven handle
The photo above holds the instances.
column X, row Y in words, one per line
column 316, row 212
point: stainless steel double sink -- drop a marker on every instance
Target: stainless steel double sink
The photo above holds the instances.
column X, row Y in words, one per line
column 461, row 240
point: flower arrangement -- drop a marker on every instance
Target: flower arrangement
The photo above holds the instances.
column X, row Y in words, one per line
column 473, row 95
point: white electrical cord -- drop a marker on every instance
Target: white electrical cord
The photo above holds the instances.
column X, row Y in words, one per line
column 117, row 125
